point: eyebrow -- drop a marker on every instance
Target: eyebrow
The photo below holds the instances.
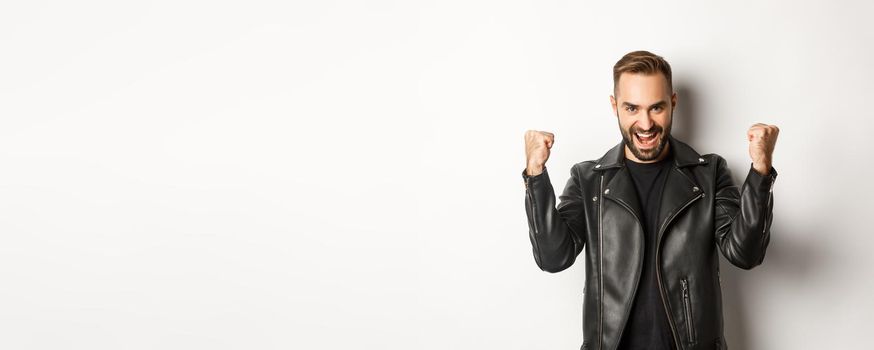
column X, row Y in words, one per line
column 661, row 103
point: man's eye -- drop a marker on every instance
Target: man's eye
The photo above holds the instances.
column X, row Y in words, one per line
column 658, row 108
column 630, row 109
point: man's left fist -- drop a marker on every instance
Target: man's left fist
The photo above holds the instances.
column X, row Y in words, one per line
column 762, row 139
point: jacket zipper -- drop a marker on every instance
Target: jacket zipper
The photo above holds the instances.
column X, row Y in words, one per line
column 767, row 217
column 601, row 266
column 531, row 201
column 533, row 218
column 658, row 266
column 687, row 309
column 770, row 195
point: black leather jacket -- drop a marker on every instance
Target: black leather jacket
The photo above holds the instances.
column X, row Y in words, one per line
column 701, row 210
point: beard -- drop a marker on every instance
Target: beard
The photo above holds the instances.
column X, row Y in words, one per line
column 649, row 154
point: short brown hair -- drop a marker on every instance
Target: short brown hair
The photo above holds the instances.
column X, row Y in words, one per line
column 642, row 62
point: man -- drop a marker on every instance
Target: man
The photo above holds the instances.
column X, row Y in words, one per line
column 651, row 214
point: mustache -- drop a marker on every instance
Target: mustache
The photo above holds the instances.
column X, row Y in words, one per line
column 655, row 128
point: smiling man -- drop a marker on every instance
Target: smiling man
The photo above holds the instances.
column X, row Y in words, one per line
column 651, row 214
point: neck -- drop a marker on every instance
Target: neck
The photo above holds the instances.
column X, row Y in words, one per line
column 630, row 155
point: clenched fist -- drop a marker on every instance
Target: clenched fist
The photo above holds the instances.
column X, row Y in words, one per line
column 537, row 145
column 762, row 139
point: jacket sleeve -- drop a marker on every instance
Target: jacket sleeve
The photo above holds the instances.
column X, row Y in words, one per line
column 743, row 218
column 556, row 233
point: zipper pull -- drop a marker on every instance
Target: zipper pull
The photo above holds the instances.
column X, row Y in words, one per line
column 685, row 288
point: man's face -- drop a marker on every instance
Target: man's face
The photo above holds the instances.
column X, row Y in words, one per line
column 644, row 106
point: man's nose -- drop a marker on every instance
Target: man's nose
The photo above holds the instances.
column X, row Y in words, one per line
column 645, row 122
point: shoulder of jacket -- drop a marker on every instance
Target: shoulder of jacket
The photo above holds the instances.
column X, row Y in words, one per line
column 585, row 169
column 713, row 156
column 714, row 159
column 586, row 164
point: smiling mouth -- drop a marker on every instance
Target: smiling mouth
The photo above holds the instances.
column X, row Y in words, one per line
column 646, row 140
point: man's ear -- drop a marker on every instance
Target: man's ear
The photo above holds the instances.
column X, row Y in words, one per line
column 613, row 104
column 674, row 100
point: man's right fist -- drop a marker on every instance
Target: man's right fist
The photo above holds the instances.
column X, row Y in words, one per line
column 537, row 145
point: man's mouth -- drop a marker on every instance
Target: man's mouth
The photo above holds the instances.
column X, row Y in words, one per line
column 646, row 140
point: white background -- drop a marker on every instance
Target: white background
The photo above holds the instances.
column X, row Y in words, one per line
column 347, row 174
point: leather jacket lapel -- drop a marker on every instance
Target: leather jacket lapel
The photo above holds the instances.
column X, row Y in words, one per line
column 621, row 189
column 679, row 190
column 620, row 186
column 681, row 187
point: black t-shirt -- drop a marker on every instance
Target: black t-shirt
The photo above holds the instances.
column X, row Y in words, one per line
column 648, row 326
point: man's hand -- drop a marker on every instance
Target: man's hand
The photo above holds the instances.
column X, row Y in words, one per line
column 537, row 145
column 762, row 139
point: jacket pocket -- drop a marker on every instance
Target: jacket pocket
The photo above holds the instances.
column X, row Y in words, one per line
column 687, row 311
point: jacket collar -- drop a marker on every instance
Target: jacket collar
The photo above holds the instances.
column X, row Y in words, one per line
column 684, row 155
column 680, row 187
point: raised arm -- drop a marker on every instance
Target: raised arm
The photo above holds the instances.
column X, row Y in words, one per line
column 743, row 218
column 556, row 232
